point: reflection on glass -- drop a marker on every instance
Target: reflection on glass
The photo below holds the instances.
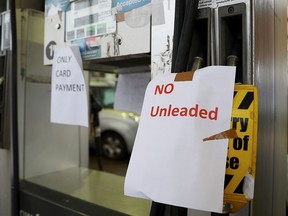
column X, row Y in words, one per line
column 108, row 140
column 121, row 97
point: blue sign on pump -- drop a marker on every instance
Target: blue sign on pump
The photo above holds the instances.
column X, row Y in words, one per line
column 127, row 5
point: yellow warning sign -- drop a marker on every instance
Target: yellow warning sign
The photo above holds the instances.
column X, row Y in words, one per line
column 241, row 158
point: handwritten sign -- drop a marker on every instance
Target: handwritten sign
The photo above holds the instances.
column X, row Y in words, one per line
column 170, row 162
column 68, row 94
column 241, row 158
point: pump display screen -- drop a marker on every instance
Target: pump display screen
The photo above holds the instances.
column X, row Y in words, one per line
column 89, row 18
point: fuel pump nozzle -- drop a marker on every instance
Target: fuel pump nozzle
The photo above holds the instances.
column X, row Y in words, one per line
column 1, row 80
column 233, row 59
column 198, row 60
column 197, row 63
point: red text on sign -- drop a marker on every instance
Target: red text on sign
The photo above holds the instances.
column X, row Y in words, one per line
column 184, row 111
column 166, row 89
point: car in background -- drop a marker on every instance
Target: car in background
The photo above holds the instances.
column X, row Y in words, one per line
column 118, row 132
column 118, row 128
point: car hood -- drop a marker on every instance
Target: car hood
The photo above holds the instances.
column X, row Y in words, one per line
column 120, row 114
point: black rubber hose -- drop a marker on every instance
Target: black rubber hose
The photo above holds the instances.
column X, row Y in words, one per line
column 14, row 120
column 157, row 209
column 218, row 214
column 182, row 55
column 180, row 6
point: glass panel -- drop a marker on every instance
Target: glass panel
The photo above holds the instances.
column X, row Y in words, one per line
column 54, row 157
column 112, row 137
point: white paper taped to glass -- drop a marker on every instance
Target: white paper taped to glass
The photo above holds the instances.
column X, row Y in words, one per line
column 171, row 162
column 69, row 103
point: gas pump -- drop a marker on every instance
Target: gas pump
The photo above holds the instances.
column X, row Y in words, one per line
column 227, row 37
column 223, row 35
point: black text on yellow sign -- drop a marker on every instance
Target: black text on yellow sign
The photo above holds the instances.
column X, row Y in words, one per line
column 241, row 156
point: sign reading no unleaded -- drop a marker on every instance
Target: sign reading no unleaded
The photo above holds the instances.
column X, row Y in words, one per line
column 183, row 170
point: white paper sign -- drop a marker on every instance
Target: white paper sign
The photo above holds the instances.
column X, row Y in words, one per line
column 68, row 95
column 130, row 91
column 170, row 162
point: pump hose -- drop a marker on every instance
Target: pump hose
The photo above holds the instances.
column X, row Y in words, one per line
column 178, row 24
column 14, row 121
column 182, row 54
